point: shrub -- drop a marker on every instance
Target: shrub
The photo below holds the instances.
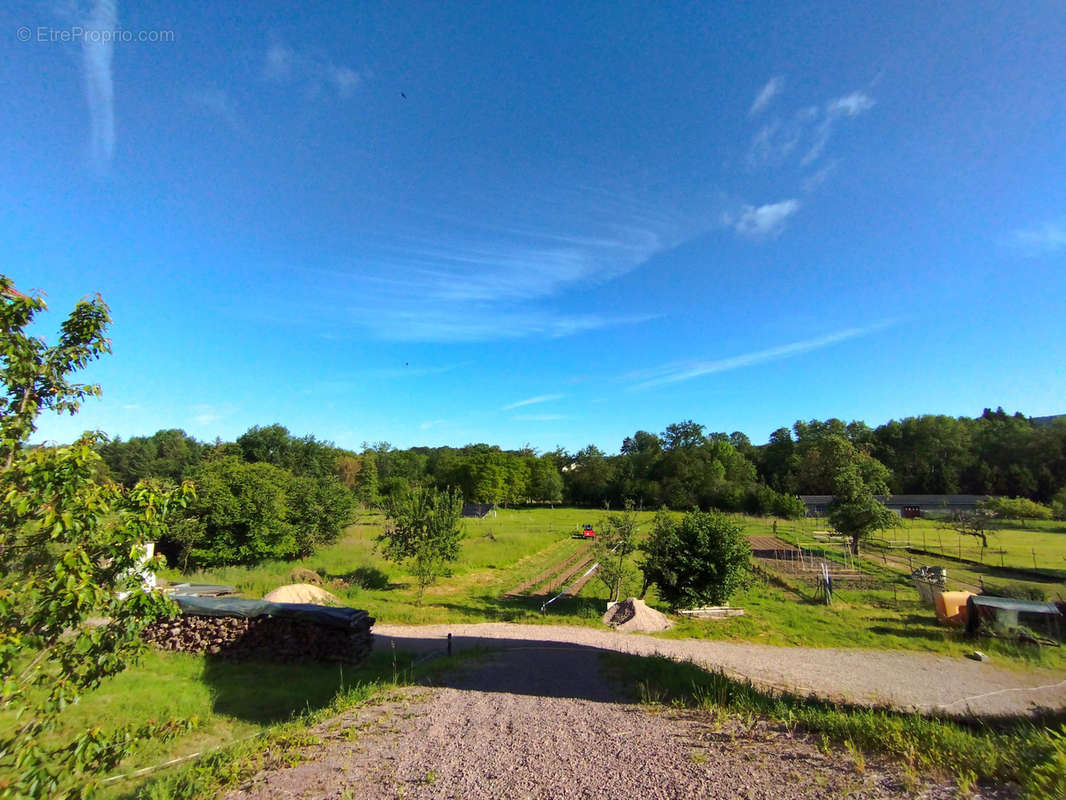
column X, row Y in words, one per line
column 1015, row 508
column 245, row 513
column 423, row 528
column 700, row 560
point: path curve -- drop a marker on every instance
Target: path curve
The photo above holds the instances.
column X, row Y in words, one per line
column 552, row 726
column 904, row 680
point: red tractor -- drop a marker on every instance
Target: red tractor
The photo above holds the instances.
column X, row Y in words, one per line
column 585, row 533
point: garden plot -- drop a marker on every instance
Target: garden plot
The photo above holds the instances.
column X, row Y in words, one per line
column 803, row 562
column 556, row 576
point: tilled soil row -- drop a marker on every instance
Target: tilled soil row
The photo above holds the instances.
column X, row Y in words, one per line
column 569, row 567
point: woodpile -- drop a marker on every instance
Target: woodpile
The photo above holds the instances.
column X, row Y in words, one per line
column 266, row 637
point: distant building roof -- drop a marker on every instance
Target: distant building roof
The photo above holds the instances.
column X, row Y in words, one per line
column 476, row 509
column 925, row 500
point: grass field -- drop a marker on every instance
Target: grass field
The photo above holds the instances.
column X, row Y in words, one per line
column 226, row 703
column 502, row 552
column 242, row 702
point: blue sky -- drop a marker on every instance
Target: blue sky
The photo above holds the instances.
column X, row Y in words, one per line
column 551, row 223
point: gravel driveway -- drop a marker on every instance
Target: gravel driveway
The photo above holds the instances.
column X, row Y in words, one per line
column 905, row 680
column 540, row 722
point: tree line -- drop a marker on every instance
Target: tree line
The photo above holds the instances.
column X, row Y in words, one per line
column 993, row 454
column 271, row 494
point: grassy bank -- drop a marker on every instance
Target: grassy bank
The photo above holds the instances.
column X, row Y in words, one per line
column 1031, row 755
column 225, row 704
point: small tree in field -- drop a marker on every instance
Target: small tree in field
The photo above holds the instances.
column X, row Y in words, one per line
column 615, row 541
column 71, row 606
column 700, row 560
column 424, row 528
column 978, row 523
column 855, row 512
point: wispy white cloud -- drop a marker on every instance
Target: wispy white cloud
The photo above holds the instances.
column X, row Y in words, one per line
column 217, row 103
column 807, row 130
column 675, row 373
column 762, row 222
column 1043, row 239
column 279, row 62
column 540, row 398
column 468, row 280
column 778, row 139
column 316, row 76
column 206, row 416
column 432, row 423
column 97, row 55
column 541, row 417
column 489, row 326
column 768, row 92
column 848, row 106
column 344, row 79
column 818, row 177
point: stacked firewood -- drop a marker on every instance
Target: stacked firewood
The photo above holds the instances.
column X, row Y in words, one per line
column 273, row 638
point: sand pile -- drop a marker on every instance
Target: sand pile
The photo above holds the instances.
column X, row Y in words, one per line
column 302, row 593
column 634, row 615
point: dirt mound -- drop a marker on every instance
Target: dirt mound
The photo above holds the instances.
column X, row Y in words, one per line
column 303, row 593
column 634, row 615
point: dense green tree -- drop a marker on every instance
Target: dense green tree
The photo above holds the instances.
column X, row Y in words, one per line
column 779, row 461
column 368, row 489
column 701, row 559
column 588, row 479
column 71, row 550
column 169, row 454
column 821, row 458
column 683, row 434
column 394, row 486
column 245, row 513
column 424, row 529
column 545, row 481
column 273, row 444
column 926, row 455
column 742, row 444
column 855, row 512
column 319, row 508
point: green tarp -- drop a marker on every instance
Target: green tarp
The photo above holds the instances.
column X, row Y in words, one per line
column 250, row 609
column 1011, row 604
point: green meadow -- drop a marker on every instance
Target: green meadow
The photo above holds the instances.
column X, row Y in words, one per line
column 244, row 704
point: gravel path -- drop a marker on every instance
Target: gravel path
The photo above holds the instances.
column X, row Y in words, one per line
column 905, row 680
column 540, row 722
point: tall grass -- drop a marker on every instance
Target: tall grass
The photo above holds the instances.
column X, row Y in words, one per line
column 223, row 702
column 1028, row 753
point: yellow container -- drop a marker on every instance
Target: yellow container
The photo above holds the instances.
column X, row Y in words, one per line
column 951, row 607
